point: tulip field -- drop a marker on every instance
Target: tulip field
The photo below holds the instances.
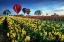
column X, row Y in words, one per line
column 33, row 30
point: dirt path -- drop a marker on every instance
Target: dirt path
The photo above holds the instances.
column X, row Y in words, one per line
column 3, row 32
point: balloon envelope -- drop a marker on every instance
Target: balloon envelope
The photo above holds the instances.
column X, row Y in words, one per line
column 24, row 10
column 28, row 10
column 17, row 8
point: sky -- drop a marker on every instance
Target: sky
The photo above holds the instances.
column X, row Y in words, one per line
column 46, row 6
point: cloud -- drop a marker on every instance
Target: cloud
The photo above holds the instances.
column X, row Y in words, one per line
column 62, row 7
column 58, row 9
column 60, row 13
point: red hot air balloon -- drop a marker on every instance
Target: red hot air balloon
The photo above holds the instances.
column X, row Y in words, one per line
column 17, row 8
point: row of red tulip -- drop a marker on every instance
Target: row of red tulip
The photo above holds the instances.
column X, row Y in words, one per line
column 46, row 17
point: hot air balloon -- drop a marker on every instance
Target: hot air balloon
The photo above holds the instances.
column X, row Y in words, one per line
column 54, row 14
column 17, row 8
column 46, row 14
column 24, row 10
column 28, row 11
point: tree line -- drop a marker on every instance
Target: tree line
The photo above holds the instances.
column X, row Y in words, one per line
column 8, row 12
column 37, row 12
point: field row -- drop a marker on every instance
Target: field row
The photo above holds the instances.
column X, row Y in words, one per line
column 1, row 22
column 56, row 18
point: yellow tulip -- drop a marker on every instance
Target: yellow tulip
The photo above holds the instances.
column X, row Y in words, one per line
column 42, row 24
column 33, row 25
column 54, row 28
column 24, row 32
column 57, row 25
column 55, row 33
column 59, row 35
column 13, row 34
column 39, row 27
column 17, row 30
column 50, row 34
column 18, row 26
column 48, row 26
column 22, row 29
column 11, row 31
column 35, row 30
column 52, row 31
column 22, row 35
column 62, row 38
column 50, row 38
column 16, row 41
column 54, row 38
column 12, row 40
column 40, row 34
column 43, row 30
column 8, row 34
column 10, row 23
column 18, row 36
column 45, row 33
column 28, row 38
column 25, row 40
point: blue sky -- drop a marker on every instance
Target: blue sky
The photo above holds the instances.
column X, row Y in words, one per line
column 46, row 6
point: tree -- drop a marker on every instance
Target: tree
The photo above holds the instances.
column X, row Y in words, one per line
column 6, row 12
column 46, row 14
column 38, row 12
column 54, row 14
column 21, row 15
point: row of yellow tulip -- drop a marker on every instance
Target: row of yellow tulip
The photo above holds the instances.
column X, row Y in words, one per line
column 1, row 19
column 1, row 22
column 25, row 29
